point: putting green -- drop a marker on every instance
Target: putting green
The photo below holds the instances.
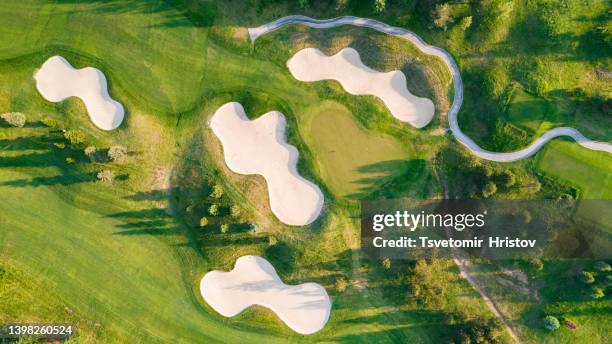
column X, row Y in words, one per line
column 351, row 160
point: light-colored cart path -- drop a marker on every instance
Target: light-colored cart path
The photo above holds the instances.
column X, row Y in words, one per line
column 410, row 36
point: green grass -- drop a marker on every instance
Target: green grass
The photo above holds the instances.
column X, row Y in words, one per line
column 351, row 160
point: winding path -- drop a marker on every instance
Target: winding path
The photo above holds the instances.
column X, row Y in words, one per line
column 410, row 36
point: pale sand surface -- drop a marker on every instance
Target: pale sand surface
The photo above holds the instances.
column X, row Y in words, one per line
column 305, row 308
column 311, row 64
column 260, row 147
column 57, row 80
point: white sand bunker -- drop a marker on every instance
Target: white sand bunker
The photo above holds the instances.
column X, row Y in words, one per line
column 305, row 308
column 311, row 64
column 260, row 147
column 57, row 80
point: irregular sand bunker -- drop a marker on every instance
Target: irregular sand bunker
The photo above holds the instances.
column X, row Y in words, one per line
column 57, row 80
column 311, row 64
column 305, row 308
column 260, row 147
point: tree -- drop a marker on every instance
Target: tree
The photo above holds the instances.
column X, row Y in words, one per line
column 380, row 5
column 536, row 264
column 106, row 176
column 235, row 211
column 386, row 263
column 50, row 122
column 213, row 210
column 90, row 152
column 224, row 228
column 551, row 323
column 508, row 178
column 203, row 221
column 117, row 153
column 75, row 137
column 303, row 3
column 465, row 23
column 489, row 189
column 587, row 277
column 597, row 293
column 341, row 284
column 341, row 5
column 602, row 266
column 217, row 191
column 442, row 16
column 14, row 119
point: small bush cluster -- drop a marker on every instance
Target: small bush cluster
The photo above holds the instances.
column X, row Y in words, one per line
column 14, row 119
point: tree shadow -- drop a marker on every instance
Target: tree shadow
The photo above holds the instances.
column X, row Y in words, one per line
column 392, row 178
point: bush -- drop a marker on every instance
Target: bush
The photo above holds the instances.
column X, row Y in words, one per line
column 597, row 293
column 587, row 277
column 386, row 263
column 489, row 189
column 213, row 210
column 602, row 266
column 341, row 5
column 341, row 284
column 50, row 122
column 217, row 191
column 75, row 137
column 551, row 323
column 224, row 228
column 70, row 160
column 465, row 23
column 14, row 119
column 203, row 221
column 117, row 153
column 235, row 211
column 608, row 280
column 303, row 3
column 106, row 176
column 59, row 145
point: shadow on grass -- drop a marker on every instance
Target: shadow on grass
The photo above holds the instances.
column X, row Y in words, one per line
column 392, row 179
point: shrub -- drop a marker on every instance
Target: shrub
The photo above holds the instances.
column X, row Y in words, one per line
column 203, row 221
column 14, row 119
column 117, row 153
column 224, row 228
column 59, row 145
column 217, row 191
column 50, row 122
column 597, row 293
column 341, row 284
column 551, row 323
column 70, row 160
column 213, row 210
column 303, row 3
column 235, row 211
column 75, row 137
column 272, row 240
column 106, row 176
column 489, row 189
column 602, row 266
column 587, row 277
column 608, row 280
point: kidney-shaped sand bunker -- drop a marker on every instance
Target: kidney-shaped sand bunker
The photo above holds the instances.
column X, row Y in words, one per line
column 356, row 78
column 57, row 80
column 260, row 147
column 305, row 308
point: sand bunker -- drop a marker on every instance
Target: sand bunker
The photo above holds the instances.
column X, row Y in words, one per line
column 57, row 80
column 305, row 308
column 311, row 64
column 260, row 147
